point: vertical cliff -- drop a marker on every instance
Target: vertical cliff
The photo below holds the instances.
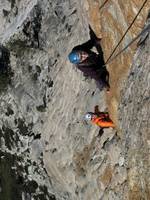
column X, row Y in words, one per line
column 134, row 122
column 111, row 20
column 47, row 150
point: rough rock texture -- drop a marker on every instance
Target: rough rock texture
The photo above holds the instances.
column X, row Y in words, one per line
column 47, row 150
column 135, row 122
column 110, row 22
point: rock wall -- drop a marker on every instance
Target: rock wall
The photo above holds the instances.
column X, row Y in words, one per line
column 135, row 122
column 110, row 21
column 47, row 150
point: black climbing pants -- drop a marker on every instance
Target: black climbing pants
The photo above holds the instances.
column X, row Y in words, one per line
column 103, row 81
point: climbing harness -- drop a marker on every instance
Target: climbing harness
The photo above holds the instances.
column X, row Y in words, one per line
column 110, row 57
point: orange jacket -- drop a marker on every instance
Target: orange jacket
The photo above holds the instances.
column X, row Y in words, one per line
column 103, row 121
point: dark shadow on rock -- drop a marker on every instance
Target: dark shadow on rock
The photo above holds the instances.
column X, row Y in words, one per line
column 101, row 131
column 5, row 70
column 32, row 28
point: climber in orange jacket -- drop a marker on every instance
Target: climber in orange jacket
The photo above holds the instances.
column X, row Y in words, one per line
column 101, row 119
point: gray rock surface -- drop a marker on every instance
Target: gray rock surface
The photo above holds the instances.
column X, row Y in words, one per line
column 38, row 36
column 135, row 121
column 47, row 150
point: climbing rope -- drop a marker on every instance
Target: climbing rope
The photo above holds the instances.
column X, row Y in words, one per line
column 103, row 4
column 108, row 60
column 147, row 29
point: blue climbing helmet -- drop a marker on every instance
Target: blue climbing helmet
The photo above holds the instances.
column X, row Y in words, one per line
column 74, row 57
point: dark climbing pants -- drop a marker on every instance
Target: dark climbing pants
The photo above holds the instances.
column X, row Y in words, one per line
column 103, row 81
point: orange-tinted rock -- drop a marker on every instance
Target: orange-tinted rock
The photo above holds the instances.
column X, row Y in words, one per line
column 110, row 23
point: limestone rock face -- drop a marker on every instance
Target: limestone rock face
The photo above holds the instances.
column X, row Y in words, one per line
column 135, row 122
column 47, row 150
column 110, row 21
